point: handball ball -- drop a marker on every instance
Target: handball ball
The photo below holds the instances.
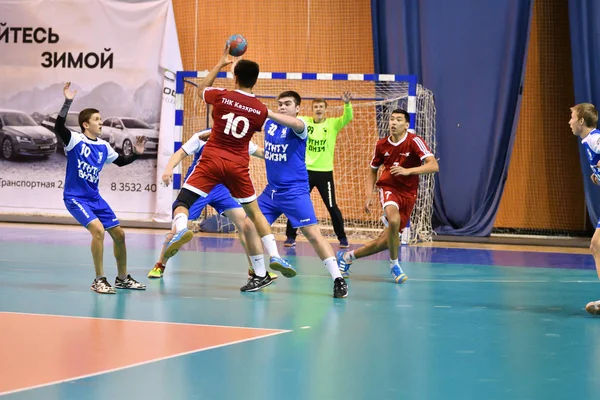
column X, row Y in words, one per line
column 237, row 45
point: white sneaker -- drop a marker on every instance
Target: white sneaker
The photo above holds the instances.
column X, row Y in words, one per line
column 102, row 286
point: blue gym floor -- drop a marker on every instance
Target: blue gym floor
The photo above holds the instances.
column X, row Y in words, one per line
column 468, row 324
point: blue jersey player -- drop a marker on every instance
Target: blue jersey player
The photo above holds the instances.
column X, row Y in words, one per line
column 287, row 191
column 219, row 198
column 86, row 156
column 583, row 122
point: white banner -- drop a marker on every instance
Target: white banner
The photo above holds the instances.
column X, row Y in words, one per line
column 113, row 53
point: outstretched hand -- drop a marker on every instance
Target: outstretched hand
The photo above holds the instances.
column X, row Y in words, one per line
column 346, row 97
column 69, row 94
column 140, row 143
column 226, row 59
column 167, row 176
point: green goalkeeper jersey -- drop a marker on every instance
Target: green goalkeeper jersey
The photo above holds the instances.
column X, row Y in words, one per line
column 322, row 138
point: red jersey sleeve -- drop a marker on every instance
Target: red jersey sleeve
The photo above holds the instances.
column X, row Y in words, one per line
column 210, row 94
column 420, row 148
column 377, row 157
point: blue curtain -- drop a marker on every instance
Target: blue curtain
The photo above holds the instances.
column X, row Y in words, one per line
column 471, row 54
column 584, row 22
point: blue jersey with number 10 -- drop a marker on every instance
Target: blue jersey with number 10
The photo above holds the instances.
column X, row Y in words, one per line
column 85, row 160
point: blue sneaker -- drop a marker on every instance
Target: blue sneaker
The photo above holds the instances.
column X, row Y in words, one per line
column 178, row 240
column 343, row 265
column 279, row 264
column 398, row 275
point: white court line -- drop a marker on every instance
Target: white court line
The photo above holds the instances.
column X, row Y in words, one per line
column 140, row 363
column 143, row 321
column 134, row 268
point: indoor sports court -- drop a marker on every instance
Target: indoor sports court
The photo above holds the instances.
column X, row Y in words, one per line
column 497, row 252
column 472, row 321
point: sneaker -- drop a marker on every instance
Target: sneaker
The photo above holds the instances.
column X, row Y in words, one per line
column 279, row 264
column 251, row 273
column 178, row 240
column 398, row 275
column 340, row 288
column 129, row 283
column 344, row 243
column 289, row 242
column 343, row 265
column 157, row 272
column 256, row 283
column 593, row 307
column 102, row 286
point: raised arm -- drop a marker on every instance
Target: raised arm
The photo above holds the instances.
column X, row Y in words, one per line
column 291, row 122
column 59, row 126
column 174, row 161
column 212, row 75
column 341, row 122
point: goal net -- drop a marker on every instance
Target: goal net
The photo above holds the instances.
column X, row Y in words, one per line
column 374, row 97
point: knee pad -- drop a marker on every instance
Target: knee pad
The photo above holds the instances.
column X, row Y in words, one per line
column 185, row 199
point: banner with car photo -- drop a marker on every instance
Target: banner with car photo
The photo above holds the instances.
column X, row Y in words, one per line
column 114, row 53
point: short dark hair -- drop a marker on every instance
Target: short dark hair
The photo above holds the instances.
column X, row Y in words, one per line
column 246, row 72
column 320, row 100
column 85, row 115
column 290, row 93
column 403, row 112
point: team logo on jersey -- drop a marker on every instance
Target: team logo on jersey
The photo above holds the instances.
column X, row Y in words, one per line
column 405, row 154
column 100, row 154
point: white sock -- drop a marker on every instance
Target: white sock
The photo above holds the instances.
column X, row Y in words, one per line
column 180, row 221
column 349, row 256
column 395, row 262
column 332, row 267
column 270, row 245
column 258, row 265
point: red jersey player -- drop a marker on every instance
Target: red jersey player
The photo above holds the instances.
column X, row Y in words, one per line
column 237, row 115
column 404, row 156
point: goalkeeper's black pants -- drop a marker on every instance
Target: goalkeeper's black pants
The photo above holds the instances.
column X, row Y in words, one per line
column 323, row 181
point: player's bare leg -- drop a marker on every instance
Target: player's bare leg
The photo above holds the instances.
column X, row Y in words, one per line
column 159, row 268
column 97, row 231
column 393, row 241
column 263, row 229
column 325, row 252
column 238, row 217
column 381, row 243
column 393, row 217
column 100, row 284
column 594, row 306
column 123, row 280
column 260, row 278
column 120, row 251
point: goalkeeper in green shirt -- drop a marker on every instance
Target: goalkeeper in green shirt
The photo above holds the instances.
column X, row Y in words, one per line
column 322, row 135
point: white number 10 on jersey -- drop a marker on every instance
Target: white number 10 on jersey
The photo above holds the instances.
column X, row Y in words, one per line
column 233, row 125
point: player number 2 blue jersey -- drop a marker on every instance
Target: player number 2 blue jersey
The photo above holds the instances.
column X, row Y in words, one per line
column 285, row 157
